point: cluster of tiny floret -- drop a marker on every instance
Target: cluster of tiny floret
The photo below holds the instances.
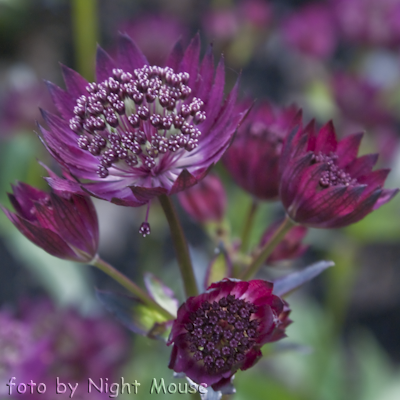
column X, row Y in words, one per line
column 220, row 334
column 136, row 118
column 333, row 175
column 144, row 229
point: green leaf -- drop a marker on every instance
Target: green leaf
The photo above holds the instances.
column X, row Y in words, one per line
column 161, row 293
column 219, row 268
column 136, row 316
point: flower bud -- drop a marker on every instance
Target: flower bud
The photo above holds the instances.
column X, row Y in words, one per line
column 64, row 226
column 291, row 245
column 206, row 201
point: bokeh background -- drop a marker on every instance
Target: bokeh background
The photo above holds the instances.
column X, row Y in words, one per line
column 337, row 59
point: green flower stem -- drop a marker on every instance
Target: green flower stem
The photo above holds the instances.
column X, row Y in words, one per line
column 131, row 286
column 181, row 247
column 85, row 32
column 248, row 225
column 268, row 248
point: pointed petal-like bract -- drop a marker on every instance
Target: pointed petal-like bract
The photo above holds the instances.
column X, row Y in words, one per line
column 76, row 84
column 129, row 55
column 104, row 65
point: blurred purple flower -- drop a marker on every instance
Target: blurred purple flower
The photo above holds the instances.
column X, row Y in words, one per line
column 221, row 24
column 20, row 102
column 253, row 157
column 324, row 184
column 257, row 12
column 223, row 329
column 225, row 24
column 359, row 100
column 291, row 245
column 142, row 131
column 155, row 35
column 20, row 353
column 311, row 30
column 205, row 201
column 64, row 226
column 370, row 22
column 65, row 345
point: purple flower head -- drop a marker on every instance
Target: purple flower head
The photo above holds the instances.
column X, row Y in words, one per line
column 141, row 131
column 47, row 343
column 64, row 226
column 324, row 184
column 228, row 23
column 20, row 101
column 253, row 158
column 206, row 201
column 291, row 245
column 256, row 12
column 299, row 31
column 360, row 100
column 77, row 347
column 370, row 22
column 20, row 353
column 221, row 24
column 223, row 329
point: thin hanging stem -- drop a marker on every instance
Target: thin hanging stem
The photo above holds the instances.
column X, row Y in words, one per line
column 85, row 31
column 131, row 286
column 181, row 247
column 147, row 211
column 267, row 249
column 248, row 226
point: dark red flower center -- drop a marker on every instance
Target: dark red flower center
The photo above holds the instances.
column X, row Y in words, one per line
column 220, row 334
column 333, row 175
column 136, row 120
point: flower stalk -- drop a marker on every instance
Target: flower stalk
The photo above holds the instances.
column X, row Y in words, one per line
column 85, row 28
column 248, row 225
column 129, row 285
column 267, row 249
column 181, row 247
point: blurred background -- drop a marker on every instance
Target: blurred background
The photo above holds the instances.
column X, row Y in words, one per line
column 337, row 59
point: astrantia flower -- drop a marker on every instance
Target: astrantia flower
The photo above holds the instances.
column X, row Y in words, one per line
column 253, row 158
column 223, row 329
column 141, row 131
column 64, row 226
column 205, row 201
column 324, row 184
